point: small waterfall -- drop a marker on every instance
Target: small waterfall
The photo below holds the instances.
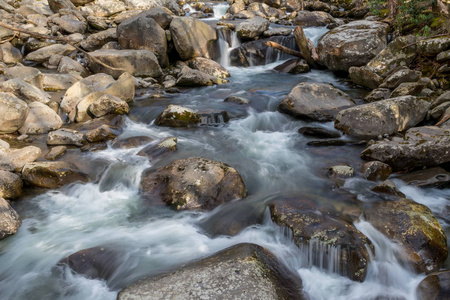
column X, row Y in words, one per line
column 213, row 118
column 273, row 55
column 220, row 10
column 227, row 41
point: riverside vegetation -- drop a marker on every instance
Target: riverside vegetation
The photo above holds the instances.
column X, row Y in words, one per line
column 155, row 149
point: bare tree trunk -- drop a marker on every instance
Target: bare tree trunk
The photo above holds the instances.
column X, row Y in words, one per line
column 393, row 6
column 284, row 49
column 303, row 44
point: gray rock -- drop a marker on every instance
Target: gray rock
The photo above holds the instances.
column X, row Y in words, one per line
column 402, row 75
column 10, row 54
column 192, row 38
column 364, row 77
column 319, row 132
column 56, row 5
column 378, row 94
column 443, row 56
column 43, row 54
column 293, row 66
column 237, row 100
column 56, row 152
column 135, row 62
column 382, row 117
column 420, row 147
column 313, row 19
column 70, row 66
column 97, row 40
column 208, row 66
column 193, row 183
column 159, row 149
column 14, row 112
column 52, row 174
column 408, row 88
column 190, row 78
column 143, row 32
column 17, row 158
column 65, row 136
column 445, row 97
column 107, row 104
column 178, row 116
column 389, row 188
column 237, row 7
column 102, row 134
column 438, row 111
column 58, row 82
column 97, row 23
column 28, row 74
column 315, row 101
column 252, row 28
column 244, row 270
column 376, row 170
column 70, row 24
column 432, row 47
column 130, row 142
column 29, row 93
column 10, row 185
column 435, row 286
column 431, row 177
column 104, row 8
column 41, row 119
column 352, row 45
column 277, row 31
column 9, row 219
column 400, row 52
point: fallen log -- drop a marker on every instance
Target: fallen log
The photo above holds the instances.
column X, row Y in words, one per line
column 284, row 49
column 304, row 46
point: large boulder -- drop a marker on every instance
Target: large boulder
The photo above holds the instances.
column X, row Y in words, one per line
column 52, row 174
column 252, row 28
column 29, row 93
column 14, row 112
column 400, row 52
column 382, row 117
column 435, row 286
column 192, row 38
column 434, row 46
column 143, row 32
column 43, row 54
column 136, row 62
column 414, row 228
column 352, row 45
column 420, row 147
column 10, row 185
column 28, row 74
column 315, row 101
column 17, row 158
column 319, row 234
column 313, row 19
column 193, row 183
column 242, row 271
column 41, row 119
column 9, row 219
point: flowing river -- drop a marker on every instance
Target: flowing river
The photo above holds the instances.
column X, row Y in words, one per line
column 265, row 148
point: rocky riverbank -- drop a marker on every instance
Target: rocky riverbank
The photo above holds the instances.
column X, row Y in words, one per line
column 62, row 97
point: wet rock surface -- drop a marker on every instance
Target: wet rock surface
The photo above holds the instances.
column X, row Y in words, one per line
column 193, row 183
column 435, row 286
column 243, row 270
column 52, row 174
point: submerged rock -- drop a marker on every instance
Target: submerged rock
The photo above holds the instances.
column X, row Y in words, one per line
column 161, row 148
column 435, row 286
column 420, row 147
column 382, row 117
column 319, row 132
column 241, row 271
column 323, row 235
column 414, row 228
column 9, row 219
column 315, row 101
column 352, row 45
column 52, row 174
column 130, row 142
column 193, row 183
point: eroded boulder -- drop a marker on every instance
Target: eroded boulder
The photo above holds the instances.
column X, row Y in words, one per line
column 193, row 183
column 382, row 117
column 315, row 101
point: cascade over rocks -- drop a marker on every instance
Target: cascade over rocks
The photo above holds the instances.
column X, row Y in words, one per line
column 303, row 215
column 352, row 45
column 382, row 117
column 315, row 101
column 192, row 38
column 414, row 228
column 420, row 147
column 242, row 270
column 193, row 183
